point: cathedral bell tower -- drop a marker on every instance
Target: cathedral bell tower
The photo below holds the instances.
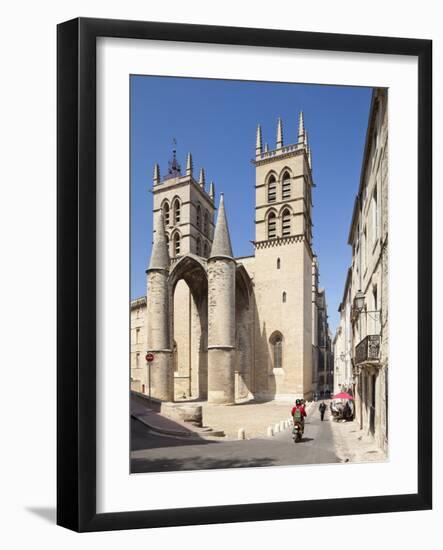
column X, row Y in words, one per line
column 283, row 271
column 187, row 208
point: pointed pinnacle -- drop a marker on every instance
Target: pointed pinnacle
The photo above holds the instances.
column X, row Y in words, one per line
column 279, row 133
column 309, row 158
column 189, row 165
column 159, row 255
column 156, row 178
column 258, row 142
column 301, row 128
column 221, row 245
column 306, row 140
column 212, row 190
column 201, row 179
column 266, row 147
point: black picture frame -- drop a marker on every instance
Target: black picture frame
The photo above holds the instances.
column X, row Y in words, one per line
column 76, row 264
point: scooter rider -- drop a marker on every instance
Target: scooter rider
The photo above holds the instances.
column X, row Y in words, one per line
column 298, row 413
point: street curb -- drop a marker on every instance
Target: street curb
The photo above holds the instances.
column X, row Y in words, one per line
column 175, row 433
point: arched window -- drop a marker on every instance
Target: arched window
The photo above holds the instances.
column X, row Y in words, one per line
column 176, row 245
column 199, row 216
column 176, row 210
column 286, row 223
column 276, row 342
column 286, row 186
column 205, row 250
column 167, row 240
column 166, row 213
column 199, row 247
column 278, row 263
column 206, row 224
column 272, row 226
column 283, row 297
column 272, row 189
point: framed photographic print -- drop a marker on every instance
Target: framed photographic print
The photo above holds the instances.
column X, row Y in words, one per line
column 244, row 274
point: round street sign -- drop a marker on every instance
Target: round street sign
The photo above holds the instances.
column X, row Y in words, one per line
column 149, row 357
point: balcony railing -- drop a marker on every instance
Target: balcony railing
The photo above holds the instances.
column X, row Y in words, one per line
column 368, row 350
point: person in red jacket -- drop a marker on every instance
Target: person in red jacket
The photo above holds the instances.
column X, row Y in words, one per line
column 298, row 413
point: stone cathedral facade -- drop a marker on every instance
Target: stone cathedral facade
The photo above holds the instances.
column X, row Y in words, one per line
column 221, row 328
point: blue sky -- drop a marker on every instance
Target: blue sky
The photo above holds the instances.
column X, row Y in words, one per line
column 216, row 120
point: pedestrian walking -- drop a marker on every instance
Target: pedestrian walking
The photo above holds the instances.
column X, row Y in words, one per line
column 322, row 409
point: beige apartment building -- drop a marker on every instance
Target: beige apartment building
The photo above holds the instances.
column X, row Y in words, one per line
column 362, row 338
column 222, row 328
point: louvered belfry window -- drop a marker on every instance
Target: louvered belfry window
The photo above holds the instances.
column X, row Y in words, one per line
column 286, row 223
column 272, row 226
column 286, row 189
column 272, row 189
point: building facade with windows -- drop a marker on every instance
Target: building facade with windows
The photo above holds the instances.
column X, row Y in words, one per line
column 363, row 335
column 223, row 328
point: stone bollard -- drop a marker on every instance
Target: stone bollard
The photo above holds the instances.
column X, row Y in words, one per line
column 241, row 434
column 270, row 431
column 276, row 428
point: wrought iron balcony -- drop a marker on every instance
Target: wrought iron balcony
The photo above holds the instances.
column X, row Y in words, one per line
column 368, row 350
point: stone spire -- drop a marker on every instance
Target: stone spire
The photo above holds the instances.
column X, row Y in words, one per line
column 201, row 179
column 266, row 147
column 258, row 142
column 159, row 254
column 212, row 191
column 221, row 245
column 279, row 134
column 156, row 178
column 301, row 128
column 189, row 165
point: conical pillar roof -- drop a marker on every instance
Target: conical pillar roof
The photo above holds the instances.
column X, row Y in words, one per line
column 159, row 254
column 221, row 245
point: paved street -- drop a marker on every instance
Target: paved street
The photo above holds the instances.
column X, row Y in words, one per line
column 156, row 453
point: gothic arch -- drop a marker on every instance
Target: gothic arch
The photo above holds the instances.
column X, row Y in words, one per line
column 270, row 174
column 187, row 268
column 285, row 207
column 282, row 173
column 191, row 364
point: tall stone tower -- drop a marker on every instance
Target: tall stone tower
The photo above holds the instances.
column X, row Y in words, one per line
column 187, row 208
column 283, row 266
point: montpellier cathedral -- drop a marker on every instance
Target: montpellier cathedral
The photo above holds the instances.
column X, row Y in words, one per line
column 224, row 329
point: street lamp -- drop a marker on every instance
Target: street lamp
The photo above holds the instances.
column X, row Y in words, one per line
column 359, row 301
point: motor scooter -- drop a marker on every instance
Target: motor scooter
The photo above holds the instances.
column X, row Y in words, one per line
column 297, row 432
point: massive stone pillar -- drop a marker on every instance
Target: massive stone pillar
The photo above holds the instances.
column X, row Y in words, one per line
column 161, row 374
column 221, row 315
